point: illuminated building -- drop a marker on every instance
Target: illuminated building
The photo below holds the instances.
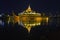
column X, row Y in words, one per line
column 28, row 19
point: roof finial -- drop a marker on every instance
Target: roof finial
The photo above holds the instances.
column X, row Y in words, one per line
column 29, row 9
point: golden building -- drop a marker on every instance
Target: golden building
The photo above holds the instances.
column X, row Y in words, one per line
column 28, row 18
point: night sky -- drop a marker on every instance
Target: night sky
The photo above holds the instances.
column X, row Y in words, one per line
column 37, row 33
column 37, row 5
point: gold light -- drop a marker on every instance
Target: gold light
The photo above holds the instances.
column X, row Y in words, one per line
column 29, row 9
column 29, row 18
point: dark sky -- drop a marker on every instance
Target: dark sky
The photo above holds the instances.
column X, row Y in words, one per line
column 36, row 5
column 21, row 5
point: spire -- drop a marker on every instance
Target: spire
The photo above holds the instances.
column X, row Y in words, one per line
column 28, row 9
